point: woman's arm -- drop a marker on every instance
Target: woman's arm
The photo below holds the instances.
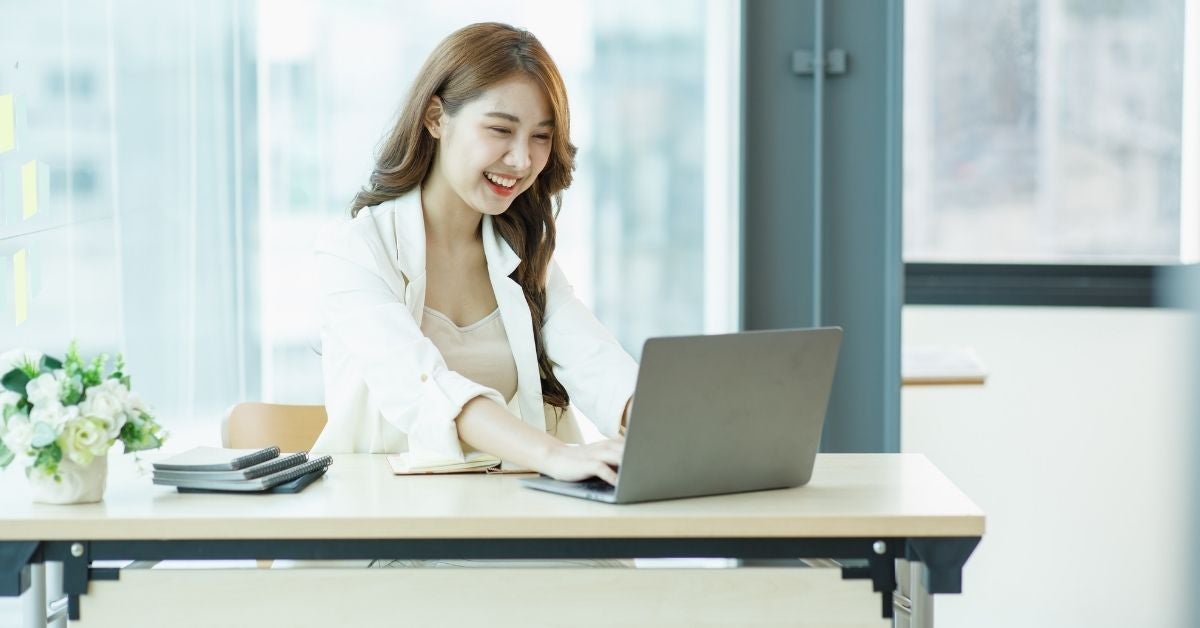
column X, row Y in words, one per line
column 488, row 426
column 589, row 361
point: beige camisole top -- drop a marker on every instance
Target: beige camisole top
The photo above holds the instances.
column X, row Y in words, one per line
column 479, row 351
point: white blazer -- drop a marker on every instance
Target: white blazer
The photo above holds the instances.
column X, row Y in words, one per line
column 387, row 388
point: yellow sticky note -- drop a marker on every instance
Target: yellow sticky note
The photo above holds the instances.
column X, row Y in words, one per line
column 21, row 286
column 7, row 138
column 29, row 188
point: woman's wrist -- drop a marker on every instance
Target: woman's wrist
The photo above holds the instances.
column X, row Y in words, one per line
column 488, row 426
column 549, row 449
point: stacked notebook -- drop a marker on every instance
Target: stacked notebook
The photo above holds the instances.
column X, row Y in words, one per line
column 216, row 469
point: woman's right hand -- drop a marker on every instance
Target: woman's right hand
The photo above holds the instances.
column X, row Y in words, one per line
column 572, row 463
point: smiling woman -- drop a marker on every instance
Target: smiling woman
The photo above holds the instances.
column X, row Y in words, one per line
column 458, row 222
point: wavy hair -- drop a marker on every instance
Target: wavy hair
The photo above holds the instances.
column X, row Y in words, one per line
column 459, row 70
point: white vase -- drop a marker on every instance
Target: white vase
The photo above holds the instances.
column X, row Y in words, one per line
column 76, row 484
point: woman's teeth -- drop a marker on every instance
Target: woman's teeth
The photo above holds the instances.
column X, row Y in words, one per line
column 499, row 180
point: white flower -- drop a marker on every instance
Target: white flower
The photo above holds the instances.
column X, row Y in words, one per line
column 10, row 360
column 135, row 405
column 44, row 390
column 55, row 415
column 8, row 399
column 17, row 434
column 82, row 440
column 107, row 404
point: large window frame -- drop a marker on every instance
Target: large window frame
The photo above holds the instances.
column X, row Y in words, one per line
column 1083, row 285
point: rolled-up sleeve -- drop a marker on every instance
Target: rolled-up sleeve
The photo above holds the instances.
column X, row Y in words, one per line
column 598, row 373
column 403, row 371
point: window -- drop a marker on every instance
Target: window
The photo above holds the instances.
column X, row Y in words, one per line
column 182, row 155
column 1051, row 132
column 637, row 226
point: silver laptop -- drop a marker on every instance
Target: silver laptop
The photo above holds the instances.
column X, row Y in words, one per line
column 721, row 414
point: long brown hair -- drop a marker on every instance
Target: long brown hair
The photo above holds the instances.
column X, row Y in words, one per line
column 460, row 69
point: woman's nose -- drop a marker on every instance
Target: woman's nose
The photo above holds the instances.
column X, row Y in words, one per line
column 518, row 156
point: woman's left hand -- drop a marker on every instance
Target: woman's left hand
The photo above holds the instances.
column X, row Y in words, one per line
column 580, row 462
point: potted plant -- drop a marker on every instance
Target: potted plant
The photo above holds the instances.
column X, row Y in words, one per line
column 60, row 417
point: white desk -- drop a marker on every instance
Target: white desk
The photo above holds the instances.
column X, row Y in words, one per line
column 875, row 508
column 941, row 366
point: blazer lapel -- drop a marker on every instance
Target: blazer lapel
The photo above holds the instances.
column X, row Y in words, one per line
column 410, row 250
column 518, row 324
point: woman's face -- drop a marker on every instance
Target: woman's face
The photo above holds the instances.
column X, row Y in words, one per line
column 495, row 146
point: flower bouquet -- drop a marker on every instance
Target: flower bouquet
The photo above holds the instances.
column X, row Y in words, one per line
column 60, row 417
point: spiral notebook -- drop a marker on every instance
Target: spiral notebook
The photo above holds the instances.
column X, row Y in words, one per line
column 315, row 467
column 249, row 473
column 216, row 459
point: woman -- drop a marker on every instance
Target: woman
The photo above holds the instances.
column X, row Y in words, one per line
column 445, row 322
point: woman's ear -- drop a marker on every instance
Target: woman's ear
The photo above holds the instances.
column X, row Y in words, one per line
column 434, row 114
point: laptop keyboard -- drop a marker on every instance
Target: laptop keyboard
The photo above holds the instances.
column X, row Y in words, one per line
column 597, row 485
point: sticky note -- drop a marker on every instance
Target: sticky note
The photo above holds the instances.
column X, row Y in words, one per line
column 20, row 286
column 29, row 188
column 8, row 139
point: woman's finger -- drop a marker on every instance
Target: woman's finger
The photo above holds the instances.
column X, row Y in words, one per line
column 606, row 473
column 609, row 457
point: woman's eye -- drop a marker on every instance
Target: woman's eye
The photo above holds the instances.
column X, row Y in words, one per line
column 544, row 138
column 501, row 130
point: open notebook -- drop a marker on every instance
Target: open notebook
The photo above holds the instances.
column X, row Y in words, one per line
column 474, row 462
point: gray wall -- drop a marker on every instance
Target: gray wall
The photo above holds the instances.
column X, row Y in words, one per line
column 861, row 273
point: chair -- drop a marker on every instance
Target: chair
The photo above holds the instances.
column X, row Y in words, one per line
column 252, row 425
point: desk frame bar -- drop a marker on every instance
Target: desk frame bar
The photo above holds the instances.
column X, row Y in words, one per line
column 944, row 557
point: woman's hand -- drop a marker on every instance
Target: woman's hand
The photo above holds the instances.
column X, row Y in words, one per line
column 573, row 463
column 488, row 426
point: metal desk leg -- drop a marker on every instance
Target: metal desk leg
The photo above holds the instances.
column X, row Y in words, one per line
column 922, row 601
column 56, row 614
column 901, row 601
column 35, row 598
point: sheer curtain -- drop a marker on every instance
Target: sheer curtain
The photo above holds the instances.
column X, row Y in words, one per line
column 134, row 117
column 647, row 192
column 185, row 154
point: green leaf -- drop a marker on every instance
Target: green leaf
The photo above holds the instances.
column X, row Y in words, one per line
column 94, row 373
column 43, row 435
column 72, row 397
column 50, row 364
column 140, row 433
column 6, row 456
column 15, row 380
column 72, row 391
column 29, row 368
column 48, row 458
column 147, row 441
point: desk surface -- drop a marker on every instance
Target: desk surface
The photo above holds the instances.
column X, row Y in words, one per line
column 850, row 495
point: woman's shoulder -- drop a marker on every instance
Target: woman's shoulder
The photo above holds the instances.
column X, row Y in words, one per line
column 373, row 225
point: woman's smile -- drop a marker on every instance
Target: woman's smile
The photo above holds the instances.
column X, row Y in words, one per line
column 500, row 185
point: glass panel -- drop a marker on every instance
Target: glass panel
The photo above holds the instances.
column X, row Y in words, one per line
column 1043, row 131
column 632, row 227
column 124, row 111
column 184, row 155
